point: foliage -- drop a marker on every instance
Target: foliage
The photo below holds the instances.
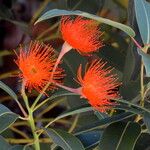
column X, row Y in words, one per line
column 62, row 119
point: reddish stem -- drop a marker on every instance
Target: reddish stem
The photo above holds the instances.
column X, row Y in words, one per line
column 65, row 48
column 136, row 43
column 73, row 90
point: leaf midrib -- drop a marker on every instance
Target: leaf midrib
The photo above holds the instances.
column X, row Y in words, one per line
column 122, row 136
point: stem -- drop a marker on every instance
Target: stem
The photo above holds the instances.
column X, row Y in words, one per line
column 8, row 74
column 19, row 132
column 24, row 141
column 136, row 43
column 33, row 128
column 73, row 90
column 141, row 80
column 74, row 124
column 49, row 99
column 142, row 85
column 31, row 119
column 65, row 48
column 22, row 110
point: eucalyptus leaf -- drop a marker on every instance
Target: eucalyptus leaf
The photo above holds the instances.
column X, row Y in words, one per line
column 146, row 61
column 104, row 122
column 60, row 94
column 6, row 118
column 142, row 10
column 57, row 12
column 73, row 111
column 4, row 145
column 120, row 136
column 100, row 115
column 113, row 57
column 16, row 147
column 93, row 6
column 143, row 142
column 133, row 61
column 90, row 139
column 71, row 65
column 65, row 140
column 147, row 120
column 8, row 90
column 19, row 147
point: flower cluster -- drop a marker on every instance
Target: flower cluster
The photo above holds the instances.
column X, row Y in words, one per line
column 36, row 65
column 39, row 66
column 81, row 34
column 98, row 85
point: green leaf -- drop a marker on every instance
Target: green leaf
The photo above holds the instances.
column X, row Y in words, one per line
column 60, row 94
column 45, row 146
column 113, row 57
column 6, row 118
column 130, row 90
column 146, row 61
column 73, row 111
column 65, row 140
column 19, row 147
column 129, row 109
column 147, row 120
column 143, row 142
column 56, row 95
column 90, row 139
column 71, row 65
column 120, row 136
column 105, row 121
column 93, row 6
column 4, row 145
column 132, row 62
column 8, row 90
column 137, row 109
column 58, row 12
column 16, row 147
column 142, row 10
column 100, row 115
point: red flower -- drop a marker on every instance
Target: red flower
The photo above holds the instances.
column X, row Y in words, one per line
column 36, row 64
column 81, row 34
column 98, row 86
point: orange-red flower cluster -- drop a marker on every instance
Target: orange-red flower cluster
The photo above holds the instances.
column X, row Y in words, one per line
column 81, row 34
column 36, row 63
column 98, row 85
